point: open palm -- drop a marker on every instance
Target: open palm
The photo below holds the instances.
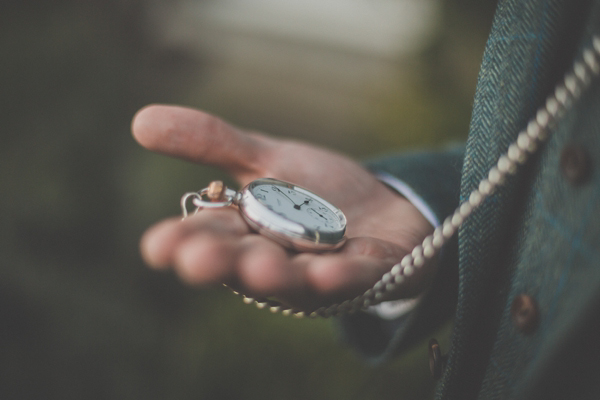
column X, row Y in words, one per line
column 217, row 246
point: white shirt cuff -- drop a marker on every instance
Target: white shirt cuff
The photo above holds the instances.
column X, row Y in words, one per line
column 396, row 308
column 410, row 195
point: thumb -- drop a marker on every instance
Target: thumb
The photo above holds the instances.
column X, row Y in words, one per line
column 199, row 137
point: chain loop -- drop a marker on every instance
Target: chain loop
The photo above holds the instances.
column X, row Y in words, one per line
column 200, row 203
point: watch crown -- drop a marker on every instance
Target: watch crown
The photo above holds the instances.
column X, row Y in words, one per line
column 216, row 191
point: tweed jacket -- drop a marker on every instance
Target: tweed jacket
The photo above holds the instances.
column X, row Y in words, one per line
column 536, row 238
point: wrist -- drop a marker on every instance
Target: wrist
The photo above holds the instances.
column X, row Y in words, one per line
column 408, row 193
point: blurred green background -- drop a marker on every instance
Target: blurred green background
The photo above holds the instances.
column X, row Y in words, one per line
column 80, row 315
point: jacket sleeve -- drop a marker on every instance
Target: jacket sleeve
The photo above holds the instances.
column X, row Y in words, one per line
column 435, row 178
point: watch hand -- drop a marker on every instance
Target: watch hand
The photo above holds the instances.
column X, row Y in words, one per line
column 316, row 212
column 296, row 206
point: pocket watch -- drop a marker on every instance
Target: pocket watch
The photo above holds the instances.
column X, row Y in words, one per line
column 284, row 212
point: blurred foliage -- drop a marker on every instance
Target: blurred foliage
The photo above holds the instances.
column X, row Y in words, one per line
column 435, row 107
column 80, row 316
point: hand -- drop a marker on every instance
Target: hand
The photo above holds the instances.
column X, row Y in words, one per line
column 216, row 246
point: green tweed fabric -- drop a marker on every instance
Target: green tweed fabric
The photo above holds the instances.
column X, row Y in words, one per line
column 538, row 235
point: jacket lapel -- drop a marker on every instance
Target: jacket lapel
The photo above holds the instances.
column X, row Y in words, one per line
column 520, row 67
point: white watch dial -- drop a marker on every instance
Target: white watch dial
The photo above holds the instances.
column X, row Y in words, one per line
column 297, row 206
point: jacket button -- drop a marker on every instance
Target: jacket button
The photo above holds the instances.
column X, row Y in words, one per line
column 437, row 361
column 525, row 314
column 575, row 164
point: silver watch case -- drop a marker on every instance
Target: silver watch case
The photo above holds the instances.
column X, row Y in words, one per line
column 288, row 233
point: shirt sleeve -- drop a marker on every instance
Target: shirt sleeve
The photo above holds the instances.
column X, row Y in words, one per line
column 431, row 181
column 406, row 191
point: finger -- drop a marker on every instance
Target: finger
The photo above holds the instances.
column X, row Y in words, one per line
column 384, row 256
column 268, row 269
column 199, row 137
column 264, row 267
column 302, row 282
column 206, row 258
column 343, row 275
column 159, row 243
column 361, row 263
